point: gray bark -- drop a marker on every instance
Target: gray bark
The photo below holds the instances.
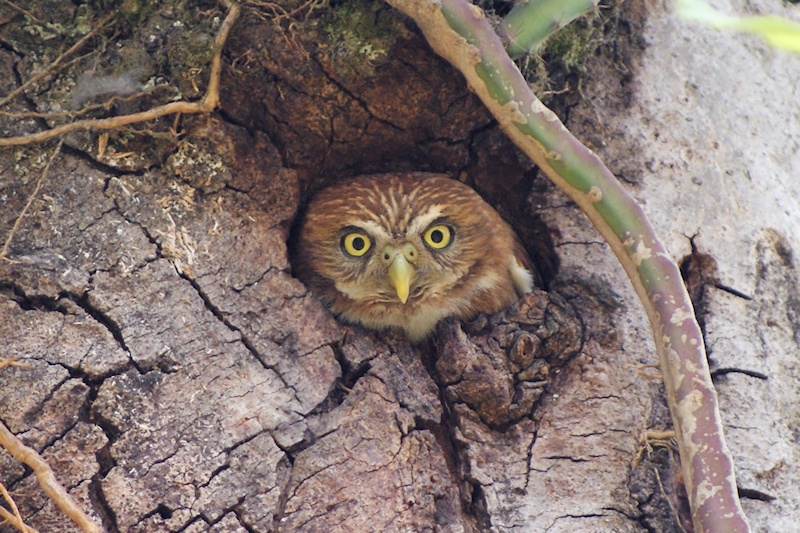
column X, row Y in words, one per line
column 180, row 379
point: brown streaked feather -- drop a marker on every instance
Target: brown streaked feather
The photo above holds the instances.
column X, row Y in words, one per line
column 472, row 275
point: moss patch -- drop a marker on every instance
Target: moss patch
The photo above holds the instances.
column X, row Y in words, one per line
column 357, row 35
column 566, row 53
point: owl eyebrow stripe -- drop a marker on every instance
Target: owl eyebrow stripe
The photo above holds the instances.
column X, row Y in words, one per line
column 370, row 227
column 350, row 228
column 422, row 221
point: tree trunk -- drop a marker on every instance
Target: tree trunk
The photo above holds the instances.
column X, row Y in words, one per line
column 178, row 378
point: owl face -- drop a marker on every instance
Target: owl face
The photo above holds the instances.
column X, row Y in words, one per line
column 406, row 250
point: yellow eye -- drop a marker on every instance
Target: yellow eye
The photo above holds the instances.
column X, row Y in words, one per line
column 356, row 244
column 438, row 236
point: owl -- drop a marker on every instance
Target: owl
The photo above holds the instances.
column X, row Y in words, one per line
column 404, row 251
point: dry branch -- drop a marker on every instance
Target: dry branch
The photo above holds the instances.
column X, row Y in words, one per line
column 25, row 12
column 47, row 479
column 12, row 361
column 32, row 196
column 13, row 517
column 87, row 109
column 74, row 48
column 461, row 33
column 207, row 104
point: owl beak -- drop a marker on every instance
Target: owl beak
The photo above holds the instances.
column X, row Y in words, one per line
column 400, row 272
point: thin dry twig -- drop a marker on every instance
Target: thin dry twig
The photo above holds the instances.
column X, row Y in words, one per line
column 280, row 13
column 75, row 47
column 675, row 515
column 13, row 517
column 651, row 438
column 6, row 362
column 207, row 104
column 84, row 110
column 269, row 11
column 657, row 435
column 643, row 370
column 18, row 221
column 23, row 11
column 47, row 480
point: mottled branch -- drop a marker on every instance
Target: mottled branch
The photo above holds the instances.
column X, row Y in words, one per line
column 460, row 32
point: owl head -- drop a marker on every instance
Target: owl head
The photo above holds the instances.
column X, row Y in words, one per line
column 406, row 250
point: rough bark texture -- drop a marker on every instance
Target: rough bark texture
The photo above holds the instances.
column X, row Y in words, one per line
column 180, row 379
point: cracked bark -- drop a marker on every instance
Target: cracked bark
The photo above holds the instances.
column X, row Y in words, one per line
column 181, row 380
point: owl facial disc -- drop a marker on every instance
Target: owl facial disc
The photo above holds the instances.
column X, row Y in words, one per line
column 400, row 262
column 403, row 251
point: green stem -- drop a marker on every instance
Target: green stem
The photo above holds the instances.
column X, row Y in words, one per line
column 530, row 22
column 459, row 32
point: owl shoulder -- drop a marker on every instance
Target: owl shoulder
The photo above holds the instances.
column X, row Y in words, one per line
column 521, row 269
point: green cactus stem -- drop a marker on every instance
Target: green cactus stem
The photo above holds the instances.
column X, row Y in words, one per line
column 460, row 32
column 530, row 22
